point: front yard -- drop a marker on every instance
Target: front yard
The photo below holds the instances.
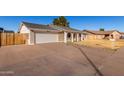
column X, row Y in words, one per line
column 102, row 43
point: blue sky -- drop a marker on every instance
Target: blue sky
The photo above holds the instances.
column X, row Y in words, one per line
column 78, row 22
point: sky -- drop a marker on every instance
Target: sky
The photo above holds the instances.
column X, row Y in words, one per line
column 78, row 22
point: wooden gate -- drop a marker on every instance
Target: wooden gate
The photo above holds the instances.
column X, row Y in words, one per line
column 12, row 39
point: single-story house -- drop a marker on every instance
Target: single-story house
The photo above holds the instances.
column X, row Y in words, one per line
column 38, row 33
column 112, row 34
column 122, row 35
column 2, row 30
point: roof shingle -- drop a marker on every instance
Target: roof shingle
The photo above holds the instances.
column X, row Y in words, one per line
column 100, row 32
column 52, row 28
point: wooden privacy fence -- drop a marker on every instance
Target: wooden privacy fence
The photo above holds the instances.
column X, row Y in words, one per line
column 13, row 39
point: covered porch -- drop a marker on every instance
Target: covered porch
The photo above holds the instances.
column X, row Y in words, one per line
column 73, row 37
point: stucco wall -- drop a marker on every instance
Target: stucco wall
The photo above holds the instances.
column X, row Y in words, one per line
column 24, row 29
column 92, row 36
column 61, row 37
column 100, row 36
column 116, row 35
column 32, row 37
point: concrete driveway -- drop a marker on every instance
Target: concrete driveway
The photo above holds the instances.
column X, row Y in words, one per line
column 51, row 59
column 114, row 65
column 44, row 59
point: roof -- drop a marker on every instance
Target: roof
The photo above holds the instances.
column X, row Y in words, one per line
column 48, row 28
column 37, row 26
column 1, row 28
column 122, row 32
column 7, row 31
column 63, row 28
column 100, row 32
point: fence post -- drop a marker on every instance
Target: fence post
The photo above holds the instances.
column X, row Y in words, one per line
column 13, row 38
column 6, row 39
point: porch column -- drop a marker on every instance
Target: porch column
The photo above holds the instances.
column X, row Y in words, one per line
column 72, row 37
column 82, row 36
column 77, row 37
column 65, row 37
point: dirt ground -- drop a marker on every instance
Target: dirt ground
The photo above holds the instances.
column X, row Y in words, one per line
column 58, row 59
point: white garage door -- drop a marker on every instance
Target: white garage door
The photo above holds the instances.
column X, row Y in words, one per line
column 46, row 38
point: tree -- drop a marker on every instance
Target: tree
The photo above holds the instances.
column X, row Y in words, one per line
column 101, row 29
column 61, row 21
column 56, row 21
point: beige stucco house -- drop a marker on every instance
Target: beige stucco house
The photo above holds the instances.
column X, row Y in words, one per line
column 38, row 33
column 113, row 34
column 122, row 35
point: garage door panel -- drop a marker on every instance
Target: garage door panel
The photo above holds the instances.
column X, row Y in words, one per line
column 46, row 38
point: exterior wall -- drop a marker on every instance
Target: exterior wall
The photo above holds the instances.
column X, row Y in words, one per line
column 116, row 35
column 92, row 36
column 61, row 37
column 122, row 36
column 32, row 37
column 100, row 36
column 24, row 29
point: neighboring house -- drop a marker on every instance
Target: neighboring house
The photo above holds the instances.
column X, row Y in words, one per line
column 122, row 35
column 2, row 30
column 39, row 33
column 113, row 34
